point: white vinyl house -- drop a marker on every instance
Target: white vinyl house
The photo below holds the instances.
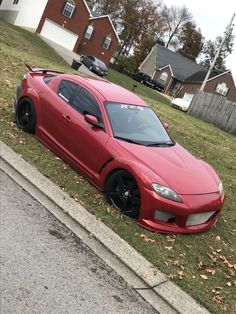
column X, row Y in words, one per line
column 25, row 13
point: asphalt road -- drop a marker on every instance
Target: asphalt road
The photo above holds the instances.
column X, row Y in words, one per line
column 45, row 268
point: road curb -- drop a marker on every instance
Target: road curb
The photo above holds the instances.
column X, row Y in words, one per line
column 163, row 295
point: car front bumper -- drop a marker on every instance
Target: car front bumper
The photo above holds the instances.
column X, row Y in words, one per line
column 197, row 213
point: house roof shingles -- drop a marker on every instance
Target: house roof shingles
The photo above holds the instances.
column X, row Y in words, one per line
column 182, row 67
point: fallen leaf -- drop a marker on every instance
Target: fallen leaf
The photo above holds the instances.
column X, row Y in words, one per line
column 169, row 248
column 204, row 277
column 210, row 270
column 229, row 284
column 181, row 274
column 143, row 275
column 218, row 299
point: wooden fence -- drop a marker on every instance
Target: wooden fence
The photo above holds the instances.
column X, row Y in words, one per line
column 214, row 109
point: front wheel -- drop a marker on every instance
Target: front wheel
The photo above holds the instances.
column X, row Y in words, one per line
column 25, row 115
column 122, row 192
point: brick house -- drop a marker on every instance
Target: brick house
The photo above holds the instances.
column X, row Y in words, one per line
column 181, row 77
column 69, row 23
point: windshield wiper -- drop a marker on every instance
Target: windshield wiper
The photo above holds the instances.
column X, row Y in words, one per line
column 161, row 144
column 129, row 140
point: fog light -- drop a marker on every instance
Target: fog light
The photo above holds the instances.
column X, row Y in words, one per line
column 197, row 219
column 164, row 216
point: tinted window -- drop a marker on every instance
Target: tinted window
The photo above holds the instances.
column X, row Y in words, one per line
column 66, row 90
column 47, row 79
column 136, row 123
column 85, row 103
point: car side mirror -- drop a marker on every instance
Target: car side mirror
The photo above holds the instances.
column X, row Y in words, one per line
column 93, row 120
column 166, row 125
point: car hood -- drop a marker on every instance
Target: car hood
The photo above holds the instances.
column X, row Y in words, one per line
column 177, row 167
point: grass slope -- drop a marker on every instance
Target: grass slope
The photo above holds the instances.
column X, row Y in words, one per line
column 203, row 264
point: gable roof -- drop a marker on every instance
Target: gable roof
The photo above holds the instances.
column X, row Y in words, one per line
column 93, row 17
column 182, row 67
column 112, row 25
column 199, row 76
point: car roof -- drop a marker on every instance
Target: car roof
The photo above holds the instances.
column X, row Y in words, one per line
column 109, row 91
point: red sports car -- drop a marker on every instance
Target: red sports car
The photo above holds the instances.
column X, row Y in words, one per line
column 118, row 143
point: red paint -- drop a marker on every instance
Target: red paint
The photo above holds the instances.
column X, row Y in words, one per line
column 94, row 152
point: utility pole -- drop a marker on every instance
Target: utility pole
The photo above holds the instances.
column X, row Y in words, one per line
column 227, row 32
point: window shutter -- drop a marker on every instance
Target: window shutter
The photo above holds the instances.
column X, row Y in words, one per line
column 62, row 8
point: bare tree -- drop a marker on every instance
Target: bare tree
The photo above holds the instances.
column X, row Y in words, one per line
column 174, row 17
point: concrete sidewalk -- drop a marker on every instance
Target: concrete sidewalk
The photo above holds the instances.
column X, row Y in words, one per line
column 151, row 284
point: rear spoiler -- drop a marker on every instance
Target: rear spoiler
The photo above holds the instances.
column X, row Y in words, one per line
column 40, row 70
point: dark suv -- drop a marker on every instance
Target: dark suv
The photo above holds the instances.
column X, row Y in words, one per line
column 147, row 80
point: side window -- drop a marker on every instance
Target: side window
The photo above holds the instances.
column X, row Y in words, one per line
column 66, row 90
column 89, row 32
column 68, row 8
column 85, row 103
column 163, row 77
column 107, row 42
column 222, row 89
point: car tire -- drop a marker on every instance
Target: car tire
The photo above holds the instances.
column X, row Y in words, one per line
column 142, row 82
column 122, row 192
column 25, row 115
column 91, row 68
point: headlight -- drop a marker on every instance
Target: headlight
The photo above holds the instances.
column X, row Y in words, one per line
column 221, row 189
column 166, row 192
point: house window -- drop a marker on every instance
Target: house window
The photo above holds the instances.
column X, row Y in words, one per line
column 89, row 32
column 222, row 89
column 15, row 1
column 68, row 8
column 107, row 42
column 163, row 78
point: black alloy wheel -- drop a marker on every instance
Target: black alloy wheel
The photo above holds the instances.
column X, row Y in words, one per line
column 25, row 115
column 123, row 193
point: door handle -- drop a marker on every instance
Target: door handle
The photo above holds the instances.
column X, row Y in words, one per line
column 66, row 117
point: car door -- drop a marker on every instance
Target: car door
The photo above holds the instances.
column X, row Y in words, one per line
column 52, row 109
column 84, row 141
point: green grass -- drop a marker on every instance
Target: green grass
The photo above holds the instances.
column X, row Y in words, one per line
column 183, row 258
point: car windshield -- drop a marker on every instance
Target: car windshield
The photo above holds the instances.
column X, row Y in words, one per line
column 137, row 124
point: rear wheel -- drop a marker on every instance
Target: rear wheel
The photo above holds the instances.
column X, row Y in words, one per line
column 25, row 115
column 123, row 193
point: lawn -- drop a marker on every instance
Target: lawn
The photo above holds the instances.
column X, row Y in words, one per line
column 204, row 265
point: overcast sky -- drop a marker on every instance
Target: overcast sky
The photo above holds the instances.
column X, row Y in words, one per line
column 212, row 17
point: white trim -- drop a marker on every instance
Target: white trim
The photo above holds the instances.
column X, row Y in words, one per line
column 229, row 72
column 166, row 66
column 212, row 78
column 60, row 26
column 87, row 7
column 106, row 16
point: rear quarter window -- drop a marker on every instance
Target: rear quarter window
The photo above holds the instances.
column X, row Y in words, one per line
column 66, row 90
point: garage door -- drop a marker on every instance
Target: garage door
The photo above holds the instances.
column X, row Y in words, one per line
column 59, row 34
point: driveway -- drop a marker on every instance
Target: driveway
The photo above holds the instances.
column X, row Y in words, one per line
column 67, row 55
